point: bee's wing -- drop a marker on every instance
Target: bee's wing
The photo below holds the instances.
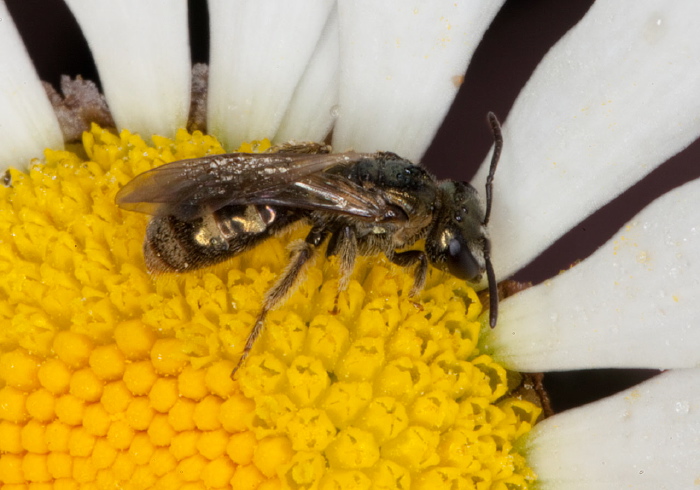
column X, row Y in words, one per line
column 337, row 194
column 195, row 187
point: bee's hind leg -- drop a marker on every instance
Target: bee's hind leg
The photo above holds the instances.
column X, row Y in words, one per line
column 409, row 258
column 302, row 253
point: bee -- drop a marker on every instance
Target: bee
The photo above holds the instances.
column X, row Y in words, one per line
column 207, row 210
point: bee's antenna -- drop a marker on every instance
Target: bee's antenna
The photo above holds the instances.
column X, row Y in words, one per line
column 497, row 147
column 490, row 274
column 493, row 285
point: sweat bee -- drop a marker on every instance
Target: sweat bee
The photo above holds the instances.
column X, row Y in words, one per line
column 206, row 210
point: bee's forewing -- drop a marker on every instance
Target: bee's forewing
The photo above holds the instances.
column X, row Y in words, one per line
column 195, row 187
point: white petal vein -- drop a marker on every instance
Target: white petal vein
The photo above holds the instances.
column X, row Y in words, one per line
column 646, row 438
column 633, row 303
column 28, row 124
column 615, row 98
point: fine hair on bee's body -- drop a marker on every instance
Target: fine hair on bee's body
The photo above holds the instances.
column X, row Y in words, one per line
column 207, row 210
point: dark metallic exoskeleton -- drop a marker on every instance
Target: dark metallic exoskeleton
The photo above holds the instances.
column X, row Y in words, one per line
column 208, row 209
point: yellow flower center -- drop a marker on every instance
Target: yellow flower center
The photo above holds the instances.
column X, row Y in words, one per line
column 113, row 378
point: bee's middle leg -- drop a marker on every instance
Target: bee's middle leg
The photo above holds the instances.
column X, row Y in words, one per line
column 302, row 253
column 343, row 243
column 409, row 258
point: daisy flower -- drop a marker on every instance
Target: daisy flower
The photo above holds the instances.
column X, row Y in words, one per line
column 110, row 377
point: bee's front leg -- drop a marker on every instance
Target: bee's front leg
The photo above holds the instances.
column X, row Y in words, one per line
column 302, row 254
column 409, row 258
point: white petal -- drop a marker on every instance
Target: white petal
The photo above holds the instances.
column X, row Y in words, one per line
column 259, row 51
column 401, row 66
column 633, row 303
column 617, row 96
column 647, row 437
column 28, row 124
column 142, row 53
column 311, row 113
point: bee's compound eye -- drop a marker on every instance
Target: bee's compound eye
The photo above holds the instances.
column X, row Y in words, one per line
column 460, row 261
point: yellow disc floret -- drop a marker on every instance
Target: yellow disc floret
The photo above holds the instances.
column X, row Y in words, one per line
column 113, row 378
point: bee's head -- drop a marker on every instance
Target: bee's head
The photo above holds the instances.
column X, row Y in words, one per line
column 458, row 239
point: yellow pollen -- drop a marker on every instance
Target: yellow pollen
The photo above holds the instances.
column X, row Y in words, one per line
column 113, row 378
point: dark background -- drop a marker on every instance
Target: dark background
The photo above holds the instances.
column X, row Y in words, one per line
column 519, row 37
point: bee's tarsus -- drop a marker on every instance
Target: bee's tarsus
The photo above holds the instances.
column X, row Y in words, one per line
column 254, row 334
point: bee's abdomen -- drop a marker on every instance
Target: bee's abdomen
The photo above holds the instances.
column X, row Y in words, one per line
column 174, row 245
column 171, row 246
